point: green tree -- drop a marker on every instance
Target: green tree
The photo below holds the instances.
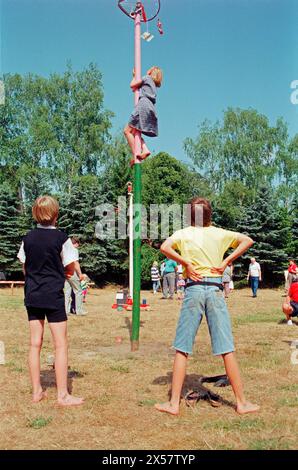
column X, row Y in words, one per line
column 244, row 147
column 77, row 218
column 149, row 254
column 166, row 180
column 230, row 205
column 293, row 245
column 266, row 224
column 13, row 225
column 53, row 130
column 287, row 181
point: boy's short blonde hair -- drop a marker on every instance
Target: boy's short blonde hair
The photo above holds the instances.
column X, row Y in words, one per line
column 156, row 75
column 45, row 210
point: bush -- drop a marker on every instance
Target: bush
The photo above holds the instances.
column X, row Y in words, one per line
column 240, row 284
column 149, row 255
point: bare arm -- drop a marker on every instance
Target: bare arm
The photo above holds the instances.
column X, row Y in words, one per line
column 135, row 84
column 244, row 243
column 168, row 250
column 77, row 269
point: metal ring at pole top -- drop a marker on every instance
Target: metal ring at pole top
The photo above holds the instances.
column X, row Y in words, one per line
column 139, row 8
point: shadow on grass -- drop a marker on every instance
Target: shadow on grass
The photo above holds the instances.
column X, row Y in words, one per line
column 128, row 325
column 48, row 378
column 290, row 342
column 193, row 382
column 284, row 322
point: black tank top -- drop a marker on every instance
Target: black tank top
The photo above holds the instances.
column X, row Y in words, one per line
column 44, row 279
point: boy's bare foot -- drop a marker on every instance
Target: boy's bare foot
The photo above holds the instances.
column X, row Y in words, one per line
column 69, row 400
column 37, row 397
column 167, row 408
column 246, row 408
column 144, row 155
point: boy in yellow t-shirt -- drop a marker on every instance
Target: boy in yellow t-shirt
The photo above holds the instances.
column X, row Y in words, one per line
column 202, row 247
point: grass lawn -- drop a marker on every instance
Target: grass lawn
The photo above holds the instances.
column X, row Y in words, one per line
column 121, row 387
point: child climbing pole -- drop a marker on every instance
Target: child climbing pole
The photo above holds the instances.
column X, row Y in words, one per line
column 143, row 118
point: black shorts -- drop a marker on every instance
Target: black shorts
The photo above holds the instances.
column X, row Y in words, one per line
column 53, row 315
column 294, row 306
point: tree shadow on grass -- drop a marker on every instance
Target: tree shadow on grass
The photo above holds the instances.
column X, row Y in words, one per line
column 194, row 382
column 48, row 378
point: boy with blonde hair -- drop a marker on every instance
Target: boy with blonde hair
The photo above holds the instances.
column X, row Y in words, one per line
column 48, row 257
column 202, row 247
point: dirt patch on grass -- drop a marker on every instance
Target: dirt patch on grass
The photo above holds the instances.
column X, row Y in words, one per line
column 121, row 387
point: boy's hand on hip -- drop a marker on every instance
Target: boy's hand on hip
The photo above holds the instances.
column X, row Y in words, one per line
column 220, row 269
column 192, row 273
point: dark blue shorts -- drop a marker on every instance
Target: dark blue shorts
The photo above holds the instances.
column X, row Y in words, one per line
column 53, row 315
column 294, row 306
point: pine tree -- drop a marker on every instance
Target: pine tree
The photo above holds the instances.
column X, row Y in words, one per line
column 12, row 227
column 264, row 223
column 77, row 218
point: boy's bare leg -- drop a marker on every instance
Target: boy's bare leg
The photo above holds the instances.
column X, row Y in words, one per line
column 130, row 137
column 59, row 333
column 36, row 338
column 145, row 151
column 232, row 370
column 179, row 371
column 288, row 310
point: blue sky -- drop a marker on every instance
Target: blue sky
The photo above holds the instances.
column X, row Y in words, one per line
column 214, row 53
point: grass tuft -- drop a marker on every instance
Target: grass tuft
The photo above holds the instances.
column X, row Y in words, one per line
column 39, row 422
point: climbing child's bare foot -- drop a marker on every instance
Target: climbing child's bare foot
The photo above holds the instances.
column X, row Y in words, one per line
column 167, row 408
column 144, row 155
column 69, row 400
column 247, row 407
column 37, row 397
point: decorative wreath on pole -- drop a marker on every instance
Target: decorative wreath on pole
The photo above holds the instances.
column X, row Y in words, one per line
column 149, row 9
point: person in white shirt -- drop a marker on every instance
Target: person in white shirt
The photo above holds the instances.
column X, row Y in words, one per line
column 255, row 275
column 73, row 283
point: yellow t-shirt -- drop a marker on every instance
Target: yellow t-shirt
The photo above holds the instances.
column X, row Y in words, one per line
column 204, row 247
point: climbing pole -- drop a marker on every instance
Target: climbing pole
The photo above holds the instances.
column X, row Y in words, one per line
column 140, row 12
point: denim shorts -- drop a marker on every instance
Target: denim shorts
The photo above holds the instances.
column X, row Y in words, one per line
column 209, row 299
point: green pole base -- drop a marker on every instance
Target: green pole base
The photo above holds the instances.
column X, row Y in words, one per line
column 134, row 345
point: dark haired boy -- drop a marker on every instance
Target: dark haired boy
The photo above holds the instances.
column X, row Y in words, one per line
column 202, row 247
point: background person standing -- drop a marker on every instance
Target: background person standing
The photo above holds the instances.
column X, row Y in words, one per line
column 169, row 278
column 255, row 275
column 74, row 284
column 155, row 277
column 226, row 279
column 292, row 272
column 179, row 270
